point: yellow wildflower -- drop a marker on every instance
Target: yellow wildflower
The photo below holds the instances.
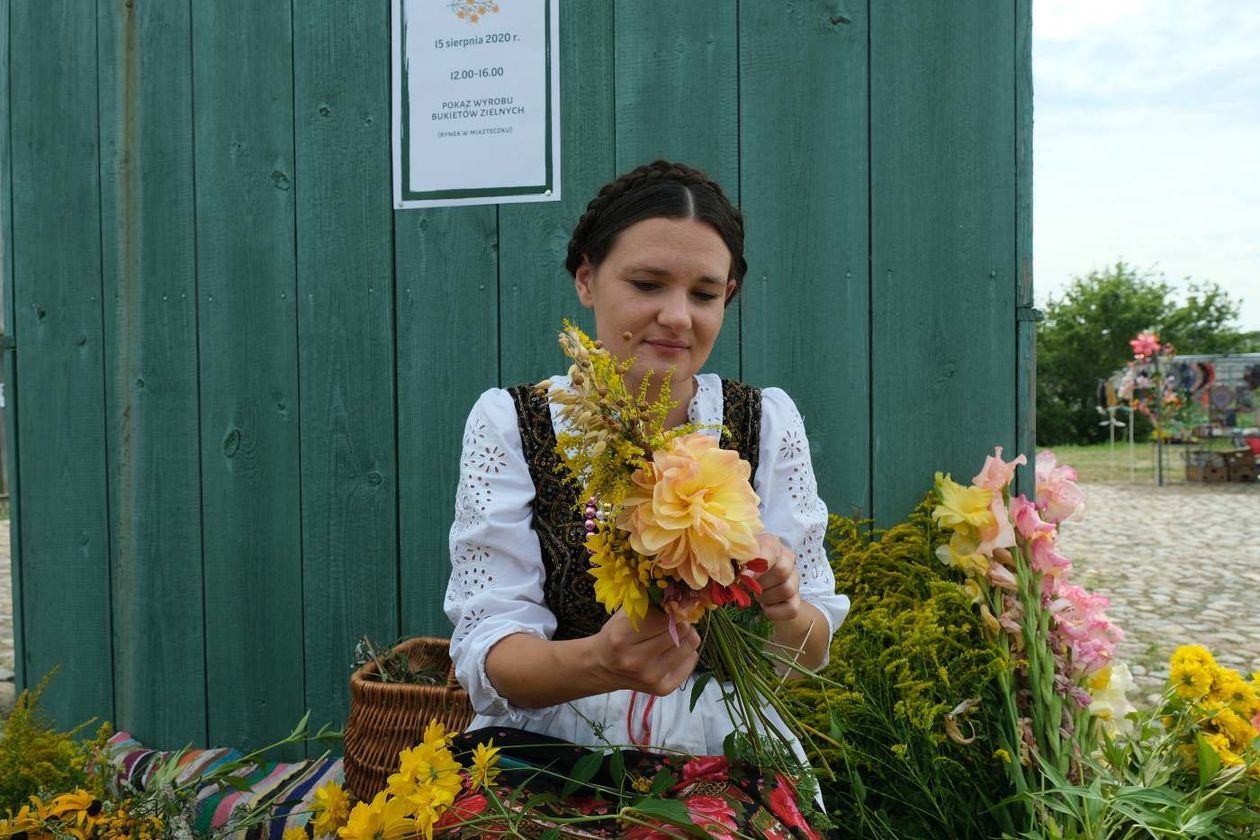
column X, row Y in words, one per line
column 641, row 784
column 79, row 811
column 1191, row 671
column 1002, row 754
column 484, row 769
column 384, row 818
column 1229, row 687
column 428, row 768
column 1196, row 654
column 1220, row 745
column 1239, row 731
column 27, row 819
column 330, row 809
column 295, row 832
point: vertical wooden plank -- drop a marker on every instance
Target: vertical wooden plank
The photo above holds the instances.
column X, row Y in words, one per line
column 448, row 353
column 1026, row 351
column 12, row 479
column 677, row 97
column 537, row 292
column 942, row 224
column 806, row 298
column 57, row 309
column 152, row 418
column 345, row 339
column 247, row 334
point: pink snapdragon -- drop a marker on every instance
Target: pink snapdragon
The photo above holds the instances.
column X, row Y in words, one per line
column 1058, row 497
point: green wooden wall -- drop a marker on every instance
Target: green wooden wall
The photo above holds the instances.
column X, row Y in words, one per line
column 237, row 378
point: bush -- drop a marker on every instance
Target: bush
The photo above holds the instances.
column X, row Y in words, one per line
column 37, row 759
column 910, row 652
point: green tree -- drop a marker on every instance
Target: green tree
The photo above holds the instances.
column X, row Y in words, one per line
column 1084, row 339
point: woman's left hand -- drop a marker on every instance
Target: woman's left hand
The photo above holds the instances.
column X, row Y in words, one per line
column 780, row 596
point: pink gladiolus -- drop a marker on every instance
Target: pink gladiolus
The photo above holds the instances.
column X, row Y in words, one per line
column 1146, row 344
column 997, row 474
column 1012, row 615
column 1081, row 626
column 1058, row 497
column 997, row 533
column 1027, row 521
column 1046, row 558
column 1001, row 576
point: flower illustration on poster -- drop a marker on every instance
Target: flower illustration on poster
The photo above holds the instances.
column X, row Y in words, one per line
column 472, row 10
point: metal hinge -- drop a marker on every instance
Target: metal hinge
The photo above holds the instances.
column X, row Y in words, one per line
column 1029, row 313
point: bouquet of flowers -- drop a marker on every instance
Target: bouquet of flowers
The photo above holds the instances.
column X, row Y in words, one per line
column 672, row 521
column 1056, row 633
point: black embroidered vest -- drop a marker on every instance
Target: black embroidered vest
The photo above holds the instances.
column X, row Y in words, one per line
column 568, row 589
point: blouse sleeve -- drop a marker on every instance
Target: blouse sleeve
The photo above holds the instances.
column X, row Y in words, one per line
column 496, row 583
column 790, row 506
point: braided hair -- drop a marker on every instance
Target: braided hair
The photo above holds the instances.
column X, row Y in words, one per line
column 660, row 189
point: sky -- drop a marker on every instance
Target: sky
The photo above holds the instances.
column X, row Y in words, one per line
column 1146, row 142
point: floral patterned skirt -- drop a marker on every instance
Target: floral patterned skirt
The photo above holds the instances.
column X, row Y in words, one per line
column 553, row 788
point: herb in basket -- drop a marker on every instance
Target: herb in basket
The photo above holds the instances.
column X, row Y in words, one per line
column 393, row 666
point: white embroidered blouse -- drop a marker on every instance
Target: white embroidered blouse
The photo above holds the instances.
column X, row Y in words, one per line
column 496, row 582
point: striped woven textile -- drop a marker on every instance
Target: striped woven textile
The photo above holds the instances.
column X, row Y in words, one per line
column 290, row 786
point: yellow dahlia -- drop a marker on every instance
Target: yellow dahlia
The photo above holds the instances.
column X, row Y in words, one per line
column 693, row 511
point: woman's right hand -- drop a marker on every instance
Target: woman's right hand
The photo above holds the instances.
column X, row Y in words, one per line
column 646, row 659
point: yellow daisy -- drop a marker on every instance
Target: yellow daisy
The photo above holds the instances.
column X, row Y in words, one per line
column 384, row 818
column 330, row 809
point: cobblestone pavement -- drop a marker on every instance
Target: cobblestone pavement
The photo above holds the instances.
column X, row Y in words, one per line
column 1181, row 565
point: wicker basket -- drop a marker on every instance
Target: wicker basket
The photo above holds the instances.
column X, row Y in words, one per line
column 386, row 718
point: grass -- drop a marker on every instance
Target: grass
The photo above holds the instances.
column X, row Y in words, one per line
column 1101, row 463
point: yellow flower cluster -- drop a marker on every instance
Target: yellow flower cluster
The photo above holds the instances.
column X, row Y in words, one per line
column 424, row 787
column 612, row 429
column 622, row 576
column 81, row 815
column 1225, row 704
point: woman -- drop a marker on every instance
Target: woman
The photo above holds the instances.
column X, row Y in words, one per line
column 658, row 256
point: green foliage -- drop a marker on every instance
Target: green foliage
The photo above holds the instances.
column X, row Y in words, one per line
column 1141, row 787
column 1085, row 339
column 909, row 653
column 35, row 758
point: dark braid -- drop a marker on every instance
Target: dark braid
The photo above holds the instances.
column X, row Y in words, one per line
column 660, row 189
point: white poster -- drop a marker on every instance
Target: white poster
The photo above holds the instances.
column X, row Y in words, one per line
column 476, row 102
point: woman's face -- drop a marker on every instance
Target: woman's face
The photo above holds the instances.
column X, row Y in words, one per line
column 665, row 282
